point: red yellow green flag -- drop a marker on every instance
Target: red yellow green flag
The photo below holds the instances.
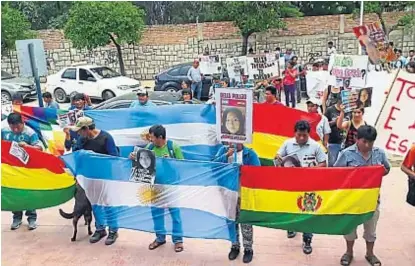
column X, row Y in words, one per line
column 312, row 200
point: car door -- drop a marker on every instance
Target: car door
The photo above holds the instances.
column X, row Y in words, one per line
column 68, row 80
column 87, row 83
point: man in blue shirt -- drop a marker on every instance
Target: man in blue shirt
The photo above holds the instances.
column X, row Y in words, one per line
column 49, row 102
column 362, row 153
column 142, row 100
column 99, row 141
column 71, row 138
column 18, row 132
column 244, row 156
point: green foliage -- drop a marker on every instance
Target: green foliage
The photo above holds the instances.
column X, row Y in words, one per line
column 14, row 26
column 93, row 24
column 252, row 17
column 44, row 15
column 314, row 8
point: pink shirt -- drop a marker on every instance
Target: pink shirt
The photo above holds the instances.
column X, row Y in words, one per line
column 288, row 79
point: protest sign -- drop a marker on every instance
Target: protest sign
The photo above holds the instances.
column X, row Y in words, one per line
column 396, row 125
column 374, row 42
column 69, row 118
column 348, row 70
column 316, row 83
column 353, row 98
column 210, row 64
column 144, row 166
column 19, row 152
column 262, row 67
column 237, row 67
column 234, row 115
column 6, row 108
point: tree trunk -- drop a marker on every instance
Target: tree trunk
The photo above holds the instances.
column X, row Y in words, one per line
column 245, row 38
column 119, row 53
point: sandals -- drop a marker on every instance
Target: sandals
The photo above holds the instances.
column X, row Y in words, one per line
column 178, row 247
column 346, row 259
column 373, row 260
column 156, row 244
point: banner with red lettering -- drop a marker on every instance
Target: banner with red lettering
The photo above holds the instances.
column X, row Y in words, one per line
column 348, row 70
column 396, row 123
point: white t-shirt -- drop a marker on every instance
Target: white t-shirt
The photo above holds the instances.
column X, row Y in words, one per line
column 323, row 127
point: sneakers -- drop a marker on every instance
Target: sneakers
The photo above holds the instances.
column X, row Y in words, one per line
column 97, row 236
column 291, row 234
column 32, row 225
column 16, row 224
column 112, row 236
column 307, row 249
column 248, row 254
column 234, row 253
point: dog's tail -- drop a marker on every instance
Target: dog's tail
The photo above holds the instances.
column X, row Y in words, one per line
column 66, row 215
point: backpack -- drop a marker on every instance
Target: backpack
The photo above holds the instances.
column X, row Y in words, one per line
column 169, row 147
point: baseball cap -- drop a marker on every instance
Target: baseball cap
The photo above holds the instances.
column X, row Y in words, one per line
column 142, row 91
column 313, row 101
column 82, row 122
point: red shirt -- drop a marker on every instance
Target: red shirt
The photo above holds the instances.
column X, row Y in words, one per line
column 409, row 161
column 288, row 79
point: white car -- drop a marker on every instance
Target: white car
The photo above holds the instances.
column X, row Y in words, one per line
column 98, row 82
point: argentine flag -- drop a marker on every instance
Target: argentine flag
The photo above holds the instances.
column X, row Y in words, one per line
column 191, row 126
column 198, row 197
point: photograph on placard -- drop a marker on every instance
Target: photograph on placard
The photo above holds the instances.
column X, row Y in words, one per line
column 144, row 166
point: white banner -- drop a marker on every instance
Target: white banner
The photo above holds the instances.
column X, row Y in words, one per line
column 316, row 83
column 396, row 124
column 262, row 67
column 348, row 70
column 237, row 67
column 234, row 115
column 210, row 64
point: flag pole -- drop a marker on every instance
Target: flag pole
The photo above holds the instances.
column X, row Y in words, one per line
column 361, row 22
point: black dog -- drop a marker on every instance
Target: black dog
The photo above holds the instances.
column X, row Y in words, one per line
column 82, row 207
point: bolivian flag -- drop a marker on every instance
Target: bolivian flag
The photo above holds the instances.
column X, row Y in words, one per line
column 41, row 183
column 312, row 200
column 273, row 124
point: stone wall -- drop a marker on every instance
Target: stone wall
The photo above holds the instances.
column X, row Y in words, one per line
column 166, row 45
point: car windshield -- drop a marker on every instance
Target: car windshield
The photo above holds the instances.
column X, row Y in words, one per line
column 5, row 75
column 105, row 72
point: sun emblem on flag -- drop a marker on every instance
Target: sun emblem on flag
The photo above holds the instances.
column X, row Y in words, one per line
column 148, row 194
column 309, row 202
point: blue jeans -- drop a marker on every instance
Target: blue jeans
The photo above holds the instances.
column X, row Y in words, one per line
column 334, row 150
column 31, row 215
column 158, row 219
column 289, row 91
column 197, row 89
column 102, row 227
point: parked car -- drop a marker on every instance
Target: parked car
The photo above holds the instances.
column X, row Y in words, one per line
column 11, row 85
column 171, row 79
column 99, row 82
column 157, row 97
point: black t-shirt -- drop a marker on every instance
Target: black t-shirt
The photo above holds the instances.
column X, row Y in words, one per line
column 100, row 144
column 335, row 136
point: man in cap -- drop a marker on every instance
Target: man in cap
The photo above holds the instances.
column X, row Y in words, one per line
column 99, row 141
column 323, row 127
column 195, row 76
column 142, row 99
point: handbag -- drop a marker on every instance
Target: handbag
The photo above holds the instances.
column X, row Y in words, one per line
column 410, row 197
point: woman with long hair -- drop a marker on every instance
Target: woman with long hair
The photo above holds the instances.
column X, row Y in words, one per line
column 233, row 121
column 351, row 126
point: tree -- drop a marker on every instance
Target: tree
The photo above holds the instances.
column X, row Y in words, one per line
column 314, row 8
column 14, row 26
column 387, row 6
column 94, row 24
column 252, row 17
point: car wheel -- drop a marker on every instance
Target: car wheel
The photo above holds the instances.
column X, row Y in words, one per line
column 60, row 95
column 171, row 89
column 5, row 97
column 106, row 95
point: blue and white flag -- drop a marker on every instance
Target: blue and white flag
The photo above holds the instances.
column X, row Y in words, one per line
column 189, row 198
column 192, row 126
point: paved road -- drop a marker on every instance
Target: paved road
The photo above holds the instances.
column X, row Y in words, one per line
column 50, row 243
